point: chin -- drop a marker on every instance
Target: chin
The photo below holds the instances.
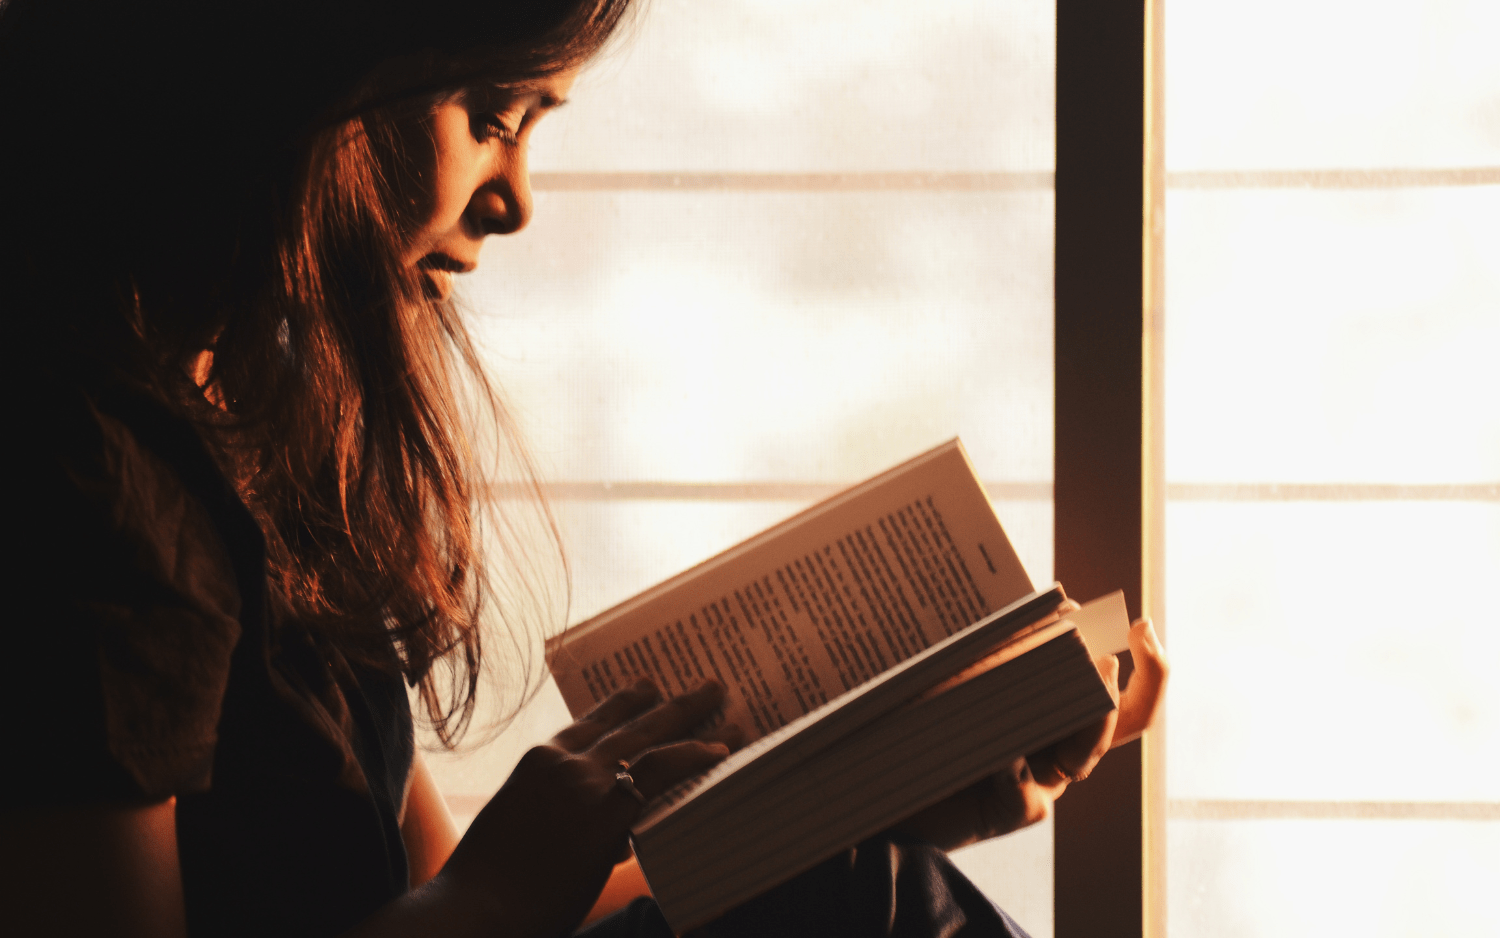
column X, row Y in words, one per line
column 437, row 284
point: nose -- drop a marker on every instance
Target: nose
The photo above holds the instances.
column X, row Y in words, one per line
column 502, row 205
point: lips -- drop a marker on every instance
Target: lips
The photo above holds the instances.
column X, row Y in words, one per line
column 440, row 261
column 438, row 270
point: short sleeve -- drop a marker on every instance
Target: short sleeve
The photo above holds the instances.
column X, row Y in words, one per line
column 124, row 617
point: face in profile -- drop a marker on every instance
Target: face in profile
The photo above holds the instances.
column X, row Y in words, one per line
column 474, row 179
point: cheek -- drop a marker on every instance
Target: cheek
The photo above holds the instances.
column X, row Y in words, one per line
column 450, row 196
column 457, row 167
column 439, row 214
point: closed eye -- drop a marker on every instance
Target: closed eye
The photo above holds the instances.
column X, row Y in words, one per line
column 504, row 113
column 494, row 127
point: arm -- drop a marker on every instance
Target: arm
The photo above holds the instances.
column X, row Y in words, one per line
column 532, row 863
column 94, row 870
column 626, row 883
column 431, row 836
column 538, row 855
column 427, row 826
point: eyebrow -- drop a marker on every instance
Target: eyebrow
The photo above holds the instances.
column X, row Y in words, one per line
column 547, row 102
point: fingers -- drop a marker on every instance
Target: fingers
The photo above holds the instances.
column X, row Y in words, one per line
column 659, row 769
column 1013, row 798
column 665, row 723
column 617, row 708
column 995, row 805
column 1109, row 672
column 1142, row 698
column 1073, row 759
column 1147, row 651
column 631, row 726
column 1029, row 801
column 730, row 734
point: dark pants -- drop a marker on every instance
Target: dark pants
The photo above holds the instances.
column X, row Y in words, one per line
column 887, row 887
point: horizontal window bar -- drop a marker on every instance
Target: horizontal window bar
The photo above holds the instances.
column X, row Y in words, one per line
column 1179, row 809
column 1336, row 178
column 792, row 182
column 1189, row 810
column 1002, row 181
column 736, row 491
column 1331, row 492
column 1009, row 491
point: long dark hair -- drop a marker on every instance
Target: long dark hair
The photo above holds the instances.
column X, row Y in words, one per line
column 176, row 179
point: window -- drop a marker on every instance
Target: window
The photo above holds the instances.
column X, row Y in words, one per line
column 1333, row 467
column 780, row 246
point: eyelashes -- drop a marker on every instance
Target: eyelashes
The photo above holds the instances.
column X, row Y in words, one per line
column 492, row 127
column 494, row 117
column 505, row 113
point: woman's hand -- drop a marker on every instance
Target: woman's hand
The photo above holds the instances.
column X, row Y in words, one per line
column 541, row 850
column 1022, row 793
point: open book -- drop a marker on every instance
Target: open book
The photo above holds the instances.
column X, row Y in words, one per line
column 882, row 650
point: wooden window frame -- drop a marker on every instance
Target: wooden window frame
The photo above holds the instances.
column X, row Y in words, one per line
column 1109, row 834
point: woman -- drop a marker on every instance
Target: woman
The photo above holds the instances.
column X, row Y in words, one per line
column 227, row 237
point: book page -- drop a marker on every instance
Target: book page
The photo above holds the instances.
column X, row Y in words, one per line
column 813, row 607
column 1104, row 624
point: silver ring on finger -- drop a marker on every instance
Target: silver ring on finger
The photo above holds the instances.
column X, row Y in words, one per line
column 625, row 783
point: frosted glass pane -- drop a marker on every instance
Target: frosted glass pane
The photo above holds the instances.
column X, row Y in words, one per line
column 745, row 336
column 1319, row 336
column 1334, row 651
column 1010, row 870
column 837, row 85
column 1307, row 84
column 1288, row 879
column 1341, row 649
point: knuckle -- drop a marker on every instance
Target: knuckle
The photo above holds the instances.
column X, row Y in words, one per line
column 1037, row 810
column 578, row 774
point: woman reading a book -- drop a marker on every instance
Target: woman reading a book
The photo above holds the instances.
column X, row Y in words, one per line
column 247, row 472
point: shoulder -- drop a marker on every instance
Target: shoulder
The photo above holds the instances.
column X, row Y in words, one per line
column 110, row 506
column 124, row 605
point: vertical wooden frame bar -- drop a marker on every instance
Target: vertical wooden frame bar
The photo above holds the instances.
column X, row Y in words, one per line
column 1107, row 481
column 1153, row 463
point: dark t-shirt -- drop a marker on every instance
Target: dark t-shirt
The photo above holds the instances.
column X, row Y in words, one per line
column 143, row 663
